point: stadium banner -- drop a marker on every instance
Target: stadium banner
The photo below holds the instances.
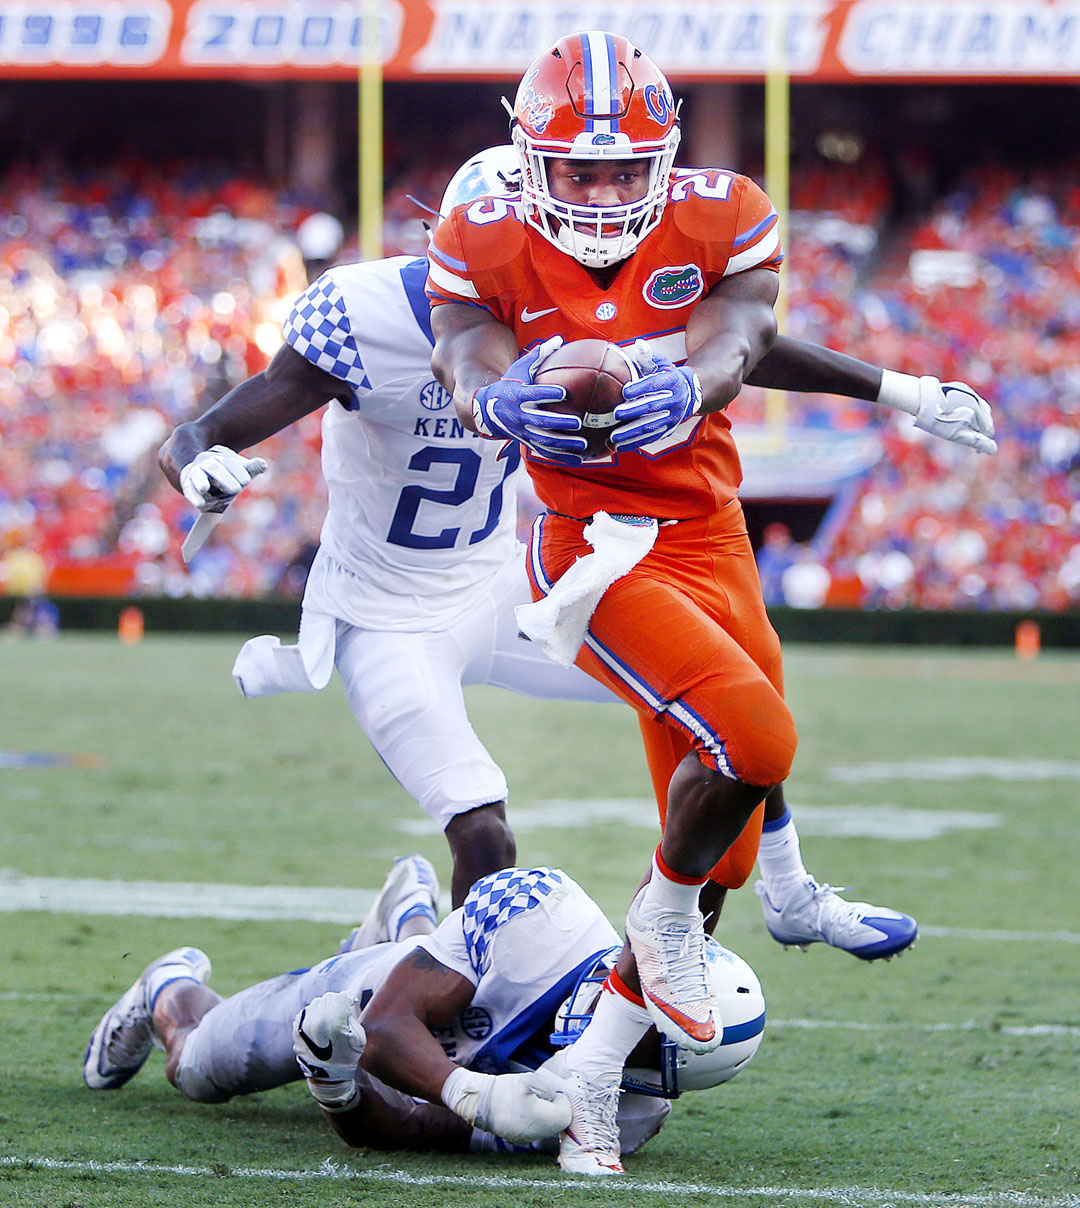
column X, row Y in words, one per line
column 826, row 40
column 805, row 463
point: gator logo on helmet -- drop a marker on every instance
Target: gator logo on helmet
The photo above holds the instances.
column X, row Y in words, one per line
column 603, row 140
column 674, row 286
column 536, row 109
column 539, row 113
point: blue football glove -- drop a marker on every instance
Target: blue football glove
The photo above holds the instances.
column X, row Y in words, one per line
column 509, row 409
column 661, row 399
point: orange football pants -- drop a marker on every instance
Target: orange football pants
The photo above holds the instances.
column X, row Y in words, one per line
column 684, row 638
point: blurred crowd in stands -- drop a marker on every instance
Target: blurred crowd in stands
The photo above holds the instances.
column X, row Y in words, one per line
column 985, row 289
column 133, row 298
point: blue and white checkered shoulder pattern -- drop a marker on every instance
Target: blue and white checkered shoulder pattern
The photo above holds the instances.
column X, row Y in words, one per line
column 318, row 329
column 496, row 899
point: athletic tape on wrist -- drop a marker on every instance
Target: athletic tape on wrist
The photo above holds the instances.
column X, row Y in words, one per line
column 899, row 390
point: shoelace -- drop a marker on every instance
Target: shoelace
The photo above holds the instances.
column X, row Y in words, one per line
column 595, row 1120
column 844, row 920
column 684, row 958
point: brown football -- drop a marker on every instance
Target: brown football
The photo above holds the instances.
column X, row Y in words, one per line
column 593, row 373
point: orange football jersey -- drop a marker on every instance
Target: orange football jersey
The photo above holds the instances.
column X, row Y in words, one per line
column 716, row 223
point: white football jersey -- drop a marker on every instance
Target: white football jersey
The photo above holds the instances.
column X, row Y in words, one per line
column 523, row 936
column 422, row 512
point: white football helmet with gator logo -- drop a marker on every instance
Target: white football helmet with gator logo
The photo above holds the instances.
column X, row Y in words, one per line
column 594, row 96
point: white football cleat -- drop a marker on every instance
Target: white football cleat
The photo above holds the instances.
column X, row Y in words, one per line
column 123, row 1039
column 410, row 890
column 670, row 952
column 811, row 913
column 590, row 1142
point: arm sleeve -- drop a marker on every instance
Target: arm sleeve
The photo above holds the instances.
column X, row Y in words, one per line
column 318, row 328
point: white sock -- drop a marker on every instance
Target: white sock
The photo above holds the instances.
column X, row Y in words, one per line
column 418, row 905
column 779, row 857
column 617, row 1025
column 662, row 894
column 163, row 976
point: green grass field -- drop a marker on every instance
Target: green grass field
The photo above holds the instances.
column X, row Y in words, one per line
column 942, row 783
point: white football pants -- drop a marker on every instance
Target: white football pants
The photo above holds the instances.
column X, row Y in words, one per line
column 405, row 690
column 244, row 1044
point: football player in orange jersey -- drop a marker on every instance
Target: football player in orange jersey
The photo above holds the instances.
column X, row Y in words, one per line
column 609, row 241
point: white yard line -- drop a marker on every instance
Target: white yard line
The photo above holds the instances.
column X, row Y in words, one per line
column 1040, row 1030
column 996, row 937
column 884, row 821
column 982, row 767
column 852, row 1197
column 183, row 899
column 255, row 903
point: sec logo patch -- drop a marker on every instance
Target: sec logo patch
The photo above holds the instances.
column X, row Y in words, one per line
column 606, row 311
column 433, row 397
column 476, row 1023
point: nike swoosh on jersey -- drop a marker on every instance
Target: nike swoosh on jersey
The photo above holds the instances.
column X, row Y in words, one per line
column 528, row 315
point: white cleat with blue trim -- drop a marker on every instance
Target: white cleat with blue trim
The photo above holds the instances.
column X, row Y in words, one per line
column 411, row 890
column 123, row 1039
column 810, row 913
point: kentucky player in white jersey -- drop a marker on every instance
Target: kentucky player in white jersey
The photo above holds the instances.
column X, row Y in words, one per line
column 392, row 1035
column 412, row 592
column 415, row 501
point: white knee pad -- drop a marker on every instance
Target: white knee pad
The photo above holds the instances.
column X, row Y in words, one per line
column 464, row 787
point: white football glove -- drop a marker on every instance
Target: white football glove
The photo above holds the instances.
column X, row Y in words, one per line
column 518, row 1107
column 329, row 1040
column 214, row 478
column 953, row 410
